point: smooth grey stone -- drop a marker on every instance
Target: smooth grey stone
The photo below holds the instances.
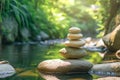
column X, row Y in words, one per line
column 107, row 67
column 64, row 66
column 6, row 70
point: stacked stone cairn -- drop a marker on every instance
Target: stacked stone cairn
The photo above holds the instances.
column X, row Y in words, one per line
column 72, row 54
column 73, row 45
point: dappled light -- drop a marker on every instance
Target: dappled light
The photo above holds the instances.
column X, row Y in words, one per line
column 59, row 39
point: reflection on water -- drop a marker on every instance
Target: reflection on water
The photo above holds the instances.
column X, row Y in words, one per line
column 25, row 58
column 105, row 73
column 48, row 76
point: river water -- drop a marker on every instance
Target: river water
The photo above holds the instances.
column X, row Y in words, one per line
column 25, row 58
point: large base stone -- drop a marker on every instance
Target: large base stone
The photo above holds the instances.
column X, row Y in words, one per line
column 64, row 66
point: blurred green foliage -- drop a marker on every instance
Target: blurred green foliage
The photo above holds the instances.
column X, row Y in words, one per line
column 106, row 14
column 23, row 20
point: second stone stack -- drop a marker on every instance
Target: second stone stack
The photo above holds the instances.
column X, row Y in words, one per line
column 73, row 45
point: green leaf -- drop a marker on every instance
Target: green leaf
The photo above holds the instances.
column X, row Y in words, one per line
column 17, row 13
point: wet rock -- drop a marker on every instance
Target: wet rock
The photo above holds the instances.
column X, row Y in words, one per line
column 76, row 44
column 64, row 66
column 74, row 36
column 42, row 36
column 4, row 62
column 72, row 53
column 6, row 70
column 74, row 30
column 112, row 40
column 107, row 67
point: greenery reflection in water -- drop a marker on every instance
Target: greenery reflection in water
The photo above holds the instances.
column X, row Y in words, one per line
column 25, row 58
column 83, row 76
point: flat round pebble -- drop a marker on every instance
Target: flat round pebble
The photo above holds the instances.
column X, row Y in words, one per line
column 73, row 53
column 74, row 36
column 76, row 44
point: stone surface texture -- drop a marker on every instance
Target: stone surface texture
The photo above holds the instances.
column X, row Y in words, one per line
column 64, row 66
column 112, row 40
column 73, row 53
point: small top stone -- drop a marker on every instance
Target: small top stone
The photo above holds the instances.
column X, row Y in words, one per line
column 74, row 30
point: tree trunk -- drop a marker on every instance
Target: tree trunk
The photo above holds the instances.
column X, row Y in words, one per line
column 111, row 23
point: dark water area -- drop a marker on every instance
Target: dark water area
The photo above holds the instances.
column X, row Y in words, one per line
column 25, row 58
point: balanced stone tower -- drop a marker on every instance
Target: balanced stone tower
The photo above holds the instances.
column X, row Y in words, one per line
column 73, row 45
column 72, row 54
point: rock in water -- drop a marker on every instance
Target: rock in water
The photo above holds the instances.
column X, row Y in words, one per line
column 107, row 67
column 73, row 53
column 6, row 70
column 64, row 66
column 112, row 40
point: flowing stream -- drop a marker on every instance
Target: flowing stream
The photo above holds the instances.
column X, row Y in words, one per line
column 25, row 58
